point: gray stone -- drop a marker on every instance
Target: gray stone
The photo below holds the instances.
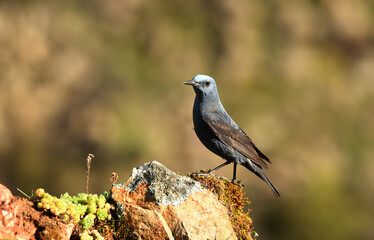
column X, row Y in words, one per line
column 165, row 187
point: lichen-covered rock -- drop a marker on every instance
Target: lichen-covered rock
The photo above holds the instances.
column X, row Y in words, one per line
column 165, row 187
column 160, row 204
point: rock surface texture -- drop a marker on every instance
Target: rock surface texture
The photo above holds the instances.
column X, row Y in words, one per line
column 154, row 203
column 160, row 204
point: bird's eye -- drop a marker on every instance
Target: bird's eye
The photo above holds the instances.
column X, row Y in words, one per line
column 207, row 83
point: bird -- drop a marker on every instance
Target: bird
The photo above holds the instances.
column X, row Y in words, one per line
column 219, row 133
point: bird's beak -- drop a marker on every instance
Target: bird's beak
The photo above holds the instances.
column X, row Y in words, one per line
column 191, row 82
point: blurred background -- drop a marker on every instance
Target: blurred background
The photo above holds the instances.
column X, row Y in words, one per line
column 105, row 77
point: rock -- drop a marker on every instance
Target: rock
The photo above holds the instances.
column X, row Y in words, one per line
column 11, row 225
column 160, row 204
column 5, row 195
column 19, row 220
column 165, row 187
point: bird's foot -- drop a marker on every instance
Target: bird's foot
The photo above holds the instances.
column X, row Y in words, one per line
column 202, row 173
column 198, row 174
column 237, row 183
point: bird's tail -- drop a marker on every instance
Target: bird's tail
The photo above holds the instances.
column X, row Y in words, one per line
column 261, row 174
column 266, row 179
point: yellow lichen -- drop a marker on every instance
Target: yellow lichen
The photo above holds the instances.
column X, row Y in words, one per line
column 232, row 197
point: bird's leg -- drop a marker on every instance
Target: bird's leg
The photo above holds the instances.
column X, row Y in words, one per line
column 234, row 177
column 234, row 173
column 201, row 173
column 220, row 166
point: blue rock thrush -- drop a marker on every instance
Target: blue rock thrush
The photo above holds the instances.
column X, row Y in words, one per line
column 221, row 135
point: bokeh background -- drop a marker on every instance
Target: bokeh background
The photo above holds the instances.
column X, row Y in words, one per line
column 105, row 77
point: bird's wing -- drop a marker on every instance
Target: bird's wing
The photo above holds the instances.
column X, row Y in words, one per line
column 237, row 139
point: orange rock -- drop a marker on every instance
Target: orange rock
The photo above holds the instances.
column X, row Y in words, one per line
column 159, row 204
column 19, row 220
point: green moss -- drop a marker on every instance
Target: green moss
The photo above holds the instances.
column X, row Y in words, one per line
column 86, row 236
column 84, row 209
column 88, row 221
column 102, row 214
column 232, row 196
column 91, row 207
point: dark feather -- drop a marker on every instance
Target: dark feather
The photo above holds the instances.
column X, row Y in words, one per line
column 237, row 139
column 258, row 150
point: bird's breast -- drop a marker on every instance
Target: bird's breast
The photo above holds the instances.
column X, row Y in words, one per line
column 205, row 133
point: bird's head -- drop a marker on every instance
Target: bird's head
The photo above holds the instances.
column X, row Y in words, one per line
column 203, row 84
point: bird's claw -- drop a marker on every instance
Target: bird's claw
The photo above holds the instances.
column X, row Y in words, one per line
column 237, row 183
column 201, row 173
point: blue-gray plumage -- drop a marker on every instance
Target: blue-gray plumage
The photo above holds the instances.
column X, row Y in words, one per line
column 220, row 134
